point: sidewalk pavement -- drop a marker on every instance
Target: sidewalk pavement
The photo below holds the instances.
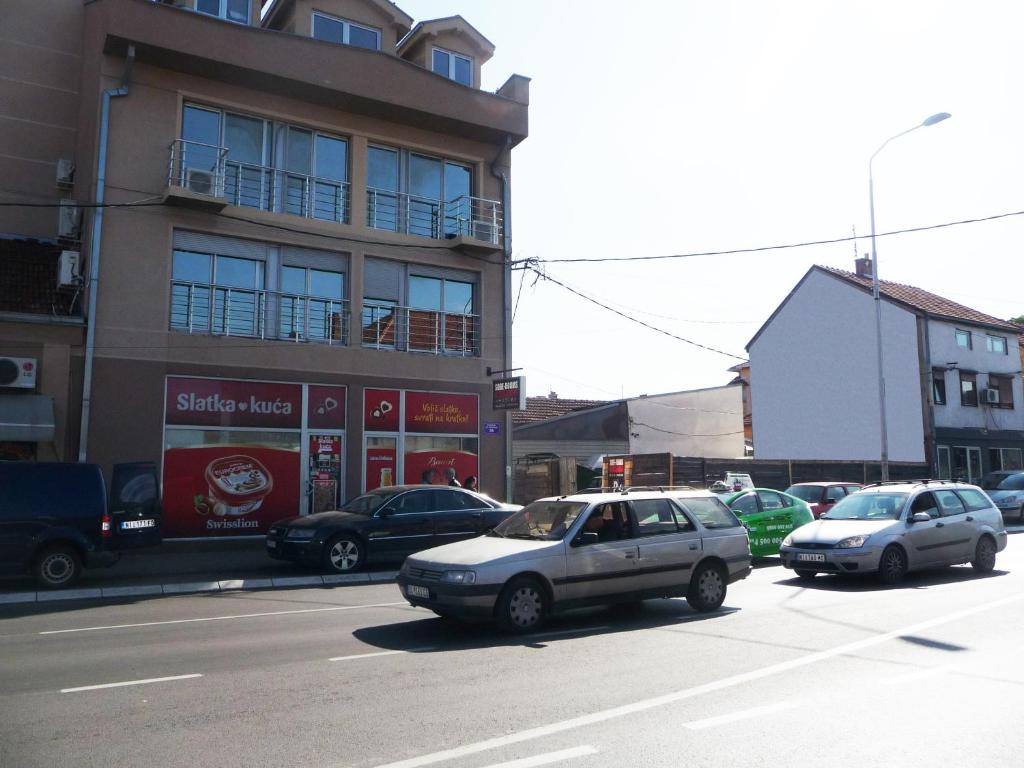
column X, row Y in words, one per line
column 183, row 567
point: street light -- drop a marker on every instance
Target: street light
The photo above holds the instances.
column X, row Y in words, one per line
column 938, row 117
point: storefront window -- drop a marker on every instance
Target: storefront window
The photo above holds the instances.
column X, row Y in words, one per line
column 381, row 462
column 428, row 458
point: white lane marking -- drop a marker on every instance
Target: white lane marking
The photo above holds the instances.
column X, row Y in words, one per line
column 128, row 682
column 547, row 758
column 559, row 632
column 745, row 714
column 380, row 653
column 220, row 618
column 689, row 693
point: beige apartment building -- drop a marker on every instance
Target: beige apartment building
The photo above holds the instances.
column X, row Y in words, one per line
column 294, row 223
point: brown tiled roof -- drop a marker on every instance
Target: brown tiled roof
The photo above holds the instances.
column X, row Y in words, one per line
column 540, row 408
column 919, row 299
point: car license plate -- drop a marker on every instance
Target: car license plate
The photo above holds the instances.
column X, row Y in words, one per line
column 128, row 525
column 810, row 557
column 271, row 544
column 413, row 590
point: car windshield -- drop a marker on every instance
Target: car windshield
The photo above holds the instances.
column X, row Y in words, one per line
column 543, row 520
column 368, row 503
column 868, row 506
column 712, row 513
column 1001, row 481
column 811, row 493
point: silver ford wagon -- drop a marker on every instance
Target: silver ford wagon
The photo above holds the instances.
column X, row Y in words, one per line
column 572, row 551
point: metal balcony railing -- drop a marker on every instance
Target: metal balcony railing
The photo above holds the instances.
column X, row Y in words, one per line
column 464, row 216
column 226, row 311
column 209, row 170
column 388, row 326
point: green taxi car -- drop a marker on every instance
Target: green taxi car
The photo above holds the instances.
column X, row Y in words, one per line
column 769, row 517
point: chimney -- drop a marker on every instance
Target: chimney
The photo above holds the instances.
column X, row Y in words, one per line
column 864, row 267
column 552, row 395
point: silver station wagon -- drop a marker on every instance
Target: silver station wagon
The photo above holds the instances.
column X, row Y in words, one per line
column 892, row 528
column 568, row 552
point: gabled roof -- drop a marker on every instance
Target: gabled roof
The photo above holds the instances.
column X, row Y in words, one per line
column 916, row 300
column 541, row 408
column 454, row 23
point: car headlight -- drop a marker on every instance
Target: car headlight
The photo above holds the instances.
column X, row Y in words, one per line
column 852, row 541
column 459, row 577
column 300, row 533
column 788, row 541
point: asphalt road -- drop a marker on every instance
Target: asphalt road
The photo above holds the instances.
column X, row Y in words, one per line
column 841, row 672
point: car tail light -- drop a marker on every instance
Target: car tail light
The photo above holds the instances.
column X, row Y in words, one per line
column 105, row 526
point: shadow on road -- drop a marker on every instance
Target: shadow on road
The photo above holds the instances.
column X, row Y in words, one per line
column 438, row 635
column 847, row 582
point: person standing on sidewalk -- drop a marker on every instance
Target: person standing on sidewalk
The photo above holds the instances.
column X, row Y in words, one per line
column 452, row 479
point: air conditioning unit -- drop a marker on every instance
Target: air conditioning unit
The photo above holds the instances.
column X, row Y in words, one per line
column 69, row 223
column 18, row 372
column 65, row 174
column 200, row 181
column 69, row 268
column 991, row 397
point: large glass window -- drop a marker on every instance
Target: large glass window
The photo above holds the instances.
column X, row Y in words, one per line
column 938, row 386
column 437, row 200
column 1004, row 386
column 382, row 186
column 345, row 32
column 218, row 294
column 441, row 315
column 312, row 304
column 453, row 65
column 996, row 344
column 963, row 339
column 232, row 10
column 968, row 389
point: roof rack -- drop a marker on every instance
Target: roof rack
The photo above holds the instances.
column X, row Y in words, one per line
column 660, row 488
column 923, row 481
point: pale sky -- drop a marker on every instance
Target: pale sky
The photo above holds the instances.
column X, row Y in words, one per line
column 662, row 127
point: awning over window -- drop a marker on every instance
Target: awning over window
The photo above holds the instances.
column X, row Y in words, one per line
column 26, row 418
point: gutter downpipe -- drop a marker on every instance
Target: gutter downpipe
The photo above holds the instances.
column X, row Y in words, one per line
column 506, row 234
column 94, row 248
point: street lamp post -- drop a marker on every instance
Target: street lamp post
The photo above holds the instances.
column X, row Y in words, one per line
column 936, row 118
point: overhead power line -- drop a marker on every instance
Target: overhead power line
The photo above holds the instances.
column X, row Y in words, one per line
column 522, row 263
column 683, row 434
column 647, row 325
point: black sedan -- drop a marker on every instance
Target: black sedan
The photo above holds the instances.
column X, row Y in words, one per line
column 385, row 524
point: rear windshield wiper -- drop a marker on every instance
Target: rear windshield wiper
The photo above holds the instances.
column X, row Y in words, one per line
column 493, row 532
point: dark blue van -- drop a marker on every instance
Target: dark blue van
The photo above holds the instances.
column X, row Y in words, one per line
column 56, row 518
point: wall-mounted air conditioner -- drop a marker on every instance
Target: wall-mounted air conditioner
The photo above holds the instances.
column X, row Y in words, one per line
column 69, row 222
column 991, row 397
column 200, row 181
column 69, row 268
column 18, row 372
column 65, row 174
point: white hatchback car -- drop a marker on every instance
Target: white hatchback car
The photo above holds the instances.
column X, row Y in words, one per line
column 567, row 552
column 891, row 528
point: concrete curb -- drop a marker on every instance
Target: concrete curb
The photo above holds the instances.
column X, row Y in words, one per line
column 195, row 587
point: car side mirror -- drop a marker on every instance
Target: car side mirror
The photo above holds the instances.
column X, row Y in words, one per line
column 919, row 517
column 586, row 538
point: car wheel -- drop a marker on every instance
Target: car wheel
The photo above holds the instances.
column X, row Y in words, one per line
column 806, row 575
column 707, row 589
column 984, row 555
column 57, row 567
column 344, row 554
column 522, row 605
column 892, row 566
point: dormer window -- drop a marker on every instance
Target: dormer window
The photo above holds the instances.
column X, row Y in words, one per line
column 454, row 66
column 231, row 10
column 344, row 32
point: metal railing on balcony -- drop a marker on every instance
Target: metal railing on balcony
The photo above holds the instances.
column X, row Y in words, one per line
column 465, row 216
column 389, row 326
column 209, row 170
column 225, row 311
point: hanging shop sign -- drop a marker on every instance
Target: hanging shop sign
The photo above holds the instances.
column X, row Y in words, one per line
column 509, row 394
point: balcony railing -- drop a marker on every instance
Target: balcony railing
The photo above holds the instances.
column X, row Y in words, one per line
column 224, row 311
column 388, row 326
column 473, row 217
column 208, row 170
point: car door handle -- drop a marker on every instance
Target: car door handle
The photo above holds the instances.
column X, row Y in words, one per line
column 940, row 525
column 693, row 546
column 970, row 519
column 630, row 555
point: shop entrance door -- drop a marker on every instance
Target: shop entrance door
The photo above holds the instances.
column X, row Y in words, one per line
column 323, row 486
column 967, row 463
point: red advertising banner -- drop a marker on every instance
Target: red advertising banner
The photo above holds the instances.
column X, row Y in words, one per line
column 380, row 410
column 233, row 403
column 439, row 412
column 228, row 490
column 381, row 467
column 326, row 407
column 419, row 463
